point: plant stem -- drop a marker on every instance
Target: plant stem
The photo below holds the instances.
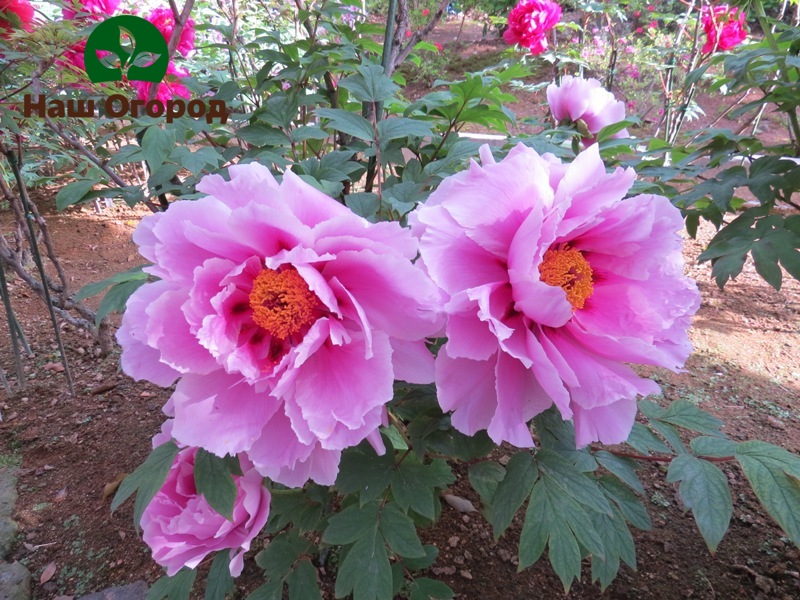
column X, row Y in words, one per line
column 661, row 459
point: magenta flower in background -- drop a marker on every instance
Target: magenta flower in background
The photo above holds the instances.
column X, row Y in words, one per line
column 724, row 29
column 286, row 316
column 164, row 21
column 22, row 9
column 169, row 88
column 182, row 529
column 555, row 283
column 586, row 100
column 95, row 8
column 528, row 24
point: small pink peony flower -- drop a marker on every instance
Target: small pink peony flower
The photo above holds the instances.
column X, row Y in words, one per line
column 653, row 24
column 439, row 47
column 425, row 12
column 408, row 33
column 170, row 87
column 164, row 21
column 586, row 99
column 651, row 8
column 555, row 283
column 95, row 8
column 286, row 316
column 181, row 528
column 637, row 14
column 639, row 30
column 528, row 23
column 21, row 9
column 723, row 28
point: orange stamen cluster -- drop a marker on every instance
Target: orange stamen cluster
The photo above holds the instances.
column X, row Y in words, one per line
column 568, row 269
column 282, row 303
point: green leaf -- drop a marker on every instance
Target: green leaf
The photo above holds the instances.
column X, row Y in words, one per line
column 400, row 533
column 92, row 289
column 624, row 468
column 370, row 84
column 157, row 145
column 572, row 482
column 146, row 480
column 219, row 582
column 628, row 503
column 484, row 478
column 117, row 297
column 281, row 553
column 713, row 446
column 364, row 204
column 348, row 122
column 685, row 414
column 263, row 135
column 364, row 472
column 401, row 127
column 303, row 583
column 521, row 474
column 272, row 590
column 351, row 524
column 414, row 484
column 774, row 474
column 365, row 571
column 704, row 490
column 213, row 479
column 74, row 192
column 177, row 587
column 618, row 544
column 417, row 564
column 430, row 589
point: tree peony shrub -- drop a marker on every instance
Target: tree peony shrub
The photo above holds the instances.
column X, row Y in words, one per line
column 528, row 24
column 286, row 317
column 588, row 101
column 182, row 529
column 555, row 282
column 723, row 28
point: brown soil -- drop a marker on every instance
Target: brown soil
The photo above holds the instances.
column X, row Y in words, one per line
column 746, row 370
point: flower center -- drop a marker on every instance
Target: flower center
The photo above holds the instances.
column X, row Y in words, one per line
column 282, row 303
column 569, row 270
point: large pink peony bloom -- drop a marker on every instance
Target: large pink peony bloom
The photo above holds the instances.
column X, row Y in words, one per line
column 21, row 9
column 723, row 28
column 96, row 8
column 555, row 283
column 164, row 21
column 528, row 24
column 287, row 317
column 182, row 529
column 586, row 99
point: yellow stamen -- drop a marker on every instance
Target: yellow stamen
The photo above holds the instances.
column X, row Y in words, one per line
column 282, row 303
column 568, row 269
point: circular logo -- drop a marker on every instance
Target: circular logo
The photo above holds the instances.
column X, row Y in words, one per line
column 126, row 47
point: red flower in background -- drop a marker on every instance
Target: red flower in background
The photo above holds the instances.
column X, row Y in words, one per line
column 164, row 21
column 93, row 7
column 528, row 23
column 21, row 8
column 439, row 47
column 724, row 29
column 425, row 12
column 167, row 89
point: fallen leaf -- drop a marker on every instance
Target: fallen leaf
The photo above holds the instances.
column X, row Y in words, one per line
column 110, row 489
column 48, row 573
column 459, row 503
column 61, row 495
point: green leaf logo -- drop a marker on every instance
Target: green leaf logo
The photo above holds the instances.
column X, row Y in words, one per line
column 126, row 47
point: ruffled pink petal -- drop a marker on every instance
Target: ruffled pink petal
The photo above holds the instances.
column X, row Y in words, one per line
column 412, row 362
column 609, row 424
column 466, row 387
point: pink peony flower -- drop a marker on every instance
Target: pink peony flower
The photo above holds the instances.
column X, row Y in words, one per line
column 639, row 30
column 555, row 283
column 170, row 87
column 286, row 316
column 653, row 24
column 408, row 33
column 95, row 8
column 164, row 21
column 425, row 12
column 586, row 99
column 723, row 28
column 637, row 14
column 21, row 9
column 439, row 47
column 528, row 23
column 181, row 528
column 651, row 8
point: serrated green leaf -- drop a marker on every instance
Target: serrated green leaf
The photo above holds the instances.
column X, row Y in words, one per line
column 704, row 490
column 74, row 192
column 628, row 503
column 572, row 482
column 430, row 589
column 351, row 524
column 348, row 122
column 366, row 473
column 364, row 204
column 618, row 544
column 685, row 414
column 624, row 468
column 400, row 533
column 92, row 289
column 302, row 582
column 219, row 582
column 414, row 484
column 511, row 492
column 670, row 434
column 177, row 587
column 214, row 481
column 370, row 84
column 365, row 571
column 146, row 480
column 774, row 474
column 645, row 441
